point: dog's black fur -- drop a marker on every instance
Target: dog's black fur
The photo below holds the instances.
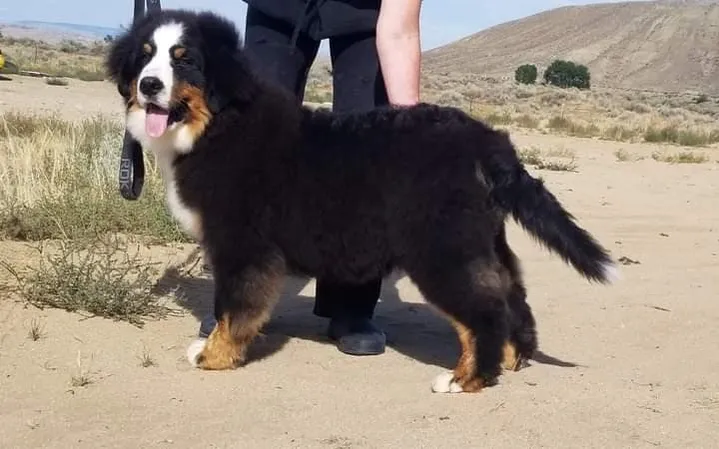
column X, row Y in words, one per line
column 426, row 189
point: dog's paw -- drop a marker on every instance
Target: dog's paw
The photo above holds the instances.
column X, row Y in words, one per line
column 444, row 383
column 194, row 351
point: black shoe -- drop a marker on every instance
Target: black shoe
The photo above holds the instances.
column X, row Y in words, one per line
column 357, row 336
column 207, row 325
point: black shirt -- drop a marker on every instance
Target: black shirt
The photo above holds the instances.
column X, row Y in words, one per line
column 321, row 19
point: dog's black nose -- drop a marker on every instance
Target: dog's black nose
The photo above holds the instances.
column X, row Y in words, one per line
column 150, row 86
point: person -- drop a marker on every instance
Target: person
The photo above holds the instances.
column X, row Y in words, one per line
column 375, row 56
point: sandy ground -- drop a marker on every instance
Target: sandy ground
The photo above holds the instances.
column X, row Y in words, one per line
column 633, row 365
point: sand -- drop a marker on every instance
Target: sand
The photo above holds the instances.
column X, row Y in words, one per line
column 632, row 365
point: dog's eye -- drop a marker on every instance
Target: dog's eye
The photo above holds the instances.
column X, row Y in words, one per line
column 179, row 52
column 147, row 48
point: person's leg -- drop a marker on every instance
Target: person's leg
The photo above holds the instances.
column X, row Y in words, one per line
column 356, row 74
column 268, row 43
column 357, row 86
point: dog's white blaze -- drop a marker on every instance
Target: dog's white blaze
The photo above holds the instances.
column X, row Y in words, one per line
column 194, row 350
column 164, row 38
column 444, row 383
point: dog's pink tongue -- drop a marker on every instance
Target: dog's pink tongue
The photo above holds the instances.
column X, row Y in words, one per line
column 156, row 122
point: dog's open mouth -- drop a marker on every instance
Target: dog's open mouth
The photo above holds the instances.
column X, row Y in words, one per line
column 156, row 120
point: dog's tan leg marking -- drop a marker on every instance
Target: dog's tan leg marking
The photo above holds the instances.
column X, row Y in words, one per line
column 465, row 373
column 511, row 361
column 222, row 351
column 226, row 347
column 464, row 377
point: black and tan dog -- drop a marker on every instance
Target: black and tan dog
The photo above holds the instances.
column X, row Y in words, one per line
column 270, row 188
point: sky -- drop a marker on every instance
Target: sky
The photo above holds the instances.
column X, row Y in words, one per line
column 442, row 21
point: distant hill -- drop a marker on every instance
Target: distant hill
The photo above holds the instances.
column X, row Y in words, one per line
column 52, row 32
column 659, row 45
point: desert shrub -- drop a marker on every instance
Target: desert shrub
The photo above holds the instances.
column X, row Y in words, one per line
column 685, row 137
column 527, row 121
column 103, row 276
column 701, row 98
column 563, row 124
column 526, row 74
column 56, row 81
column 565, row 74
column 683, row 157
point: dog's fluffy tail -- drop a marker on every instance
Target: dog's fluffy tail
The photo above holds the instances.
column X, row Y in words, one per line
column 539, row 212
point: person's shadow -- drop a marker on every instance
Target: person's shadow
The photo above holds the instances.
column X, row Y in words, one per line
column 413, row 329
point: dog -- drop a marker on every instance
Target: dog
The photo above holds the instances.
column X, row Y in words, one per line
column 270, row 188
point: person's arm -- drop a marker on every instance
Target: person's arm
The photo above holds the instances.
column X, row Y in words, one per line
column 399, row 49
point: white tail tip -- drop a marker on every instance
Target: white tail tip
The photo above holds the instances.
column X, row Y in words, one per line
column 611, row 272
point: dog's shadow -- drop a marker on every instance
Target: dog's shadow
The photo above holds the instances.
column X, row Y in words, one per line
column 413, row 329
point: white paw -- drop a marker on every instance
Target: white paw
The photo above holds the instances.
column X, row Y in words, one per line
column 194, row 350
column 444, row 383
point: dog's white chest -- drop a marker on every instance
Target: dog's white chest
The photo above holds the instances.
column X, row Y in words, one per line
column 188, row 219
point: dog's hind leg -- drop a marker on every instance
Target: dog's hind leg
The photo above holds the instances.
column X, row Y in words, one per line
column 473, row 296
column 522, row 340
column 244, row 297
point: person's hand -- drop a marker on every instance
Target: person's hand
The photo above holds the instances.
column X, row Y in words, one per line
column 399, row 49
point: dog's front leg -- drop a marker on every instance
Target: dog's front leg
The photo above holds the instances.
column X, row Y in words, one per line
column 245, row 294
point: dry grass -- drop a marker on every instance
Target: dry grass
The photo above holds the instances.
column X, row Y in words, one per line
column 56, row 81
column 58, row 179
column 36, row 330
column 146, row 360
column 83, row 376
column 549, row 159
column 682, row 157
column 684, row 137
column 68, row 59
column 623, row 155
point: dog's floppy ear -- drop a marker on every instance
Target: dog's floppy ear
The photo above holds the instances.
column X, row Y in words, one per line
column 226, row 74
column 120, row 62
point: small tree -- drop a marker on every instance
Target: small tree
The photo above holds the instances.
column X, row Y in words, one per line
column 526, row 74
column 565, row 74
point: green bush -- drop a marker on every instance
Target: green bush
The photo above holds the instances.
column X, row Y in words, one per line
column 565, row 74
column 526, row 74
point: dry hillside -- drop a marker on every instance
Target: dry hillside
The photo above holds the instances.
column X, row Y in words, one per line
column 670, row 46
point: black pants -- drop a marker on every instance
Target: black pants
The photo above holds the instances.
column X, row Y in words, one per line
column 357, row 85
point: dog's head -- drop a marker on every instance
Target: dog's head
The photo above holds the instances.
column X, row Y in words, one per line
column 175, row 69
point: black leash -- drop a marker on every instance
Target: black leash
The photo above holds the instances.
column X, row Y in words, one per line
column 132, row 168
column 131, row 175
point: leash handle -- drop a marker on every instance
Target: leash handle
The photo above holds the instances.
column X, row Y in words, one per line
column 132, row 168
